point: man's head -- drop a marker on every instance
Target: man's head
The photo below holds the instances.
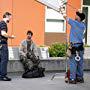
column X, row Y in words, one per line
column 79, row 16
column 7, row 16
column 29, row 34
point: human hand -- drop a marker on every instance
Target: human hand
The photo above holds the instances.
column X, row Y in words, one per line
column 12, row 37
column 79, row 10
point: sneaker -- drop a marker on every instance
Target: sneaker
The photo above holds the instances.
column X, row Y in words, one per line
column 80, row 80
column 5, row 78
column 72, row 81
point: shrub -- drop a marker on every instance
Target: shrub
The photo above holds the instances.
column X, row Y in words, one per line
column 57, row 50
column 86, row 45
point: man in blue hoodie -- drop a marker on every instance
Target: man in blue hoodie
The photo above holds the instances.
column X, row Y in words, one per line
column 76, row 43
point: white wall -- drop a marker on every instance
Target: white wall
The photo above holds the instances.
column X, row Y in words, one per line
column 88, row 27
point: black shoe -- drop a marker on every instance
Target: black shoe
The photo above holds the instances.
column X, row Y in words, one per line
column 72, row 81
column 5, row 78
column 80, row 80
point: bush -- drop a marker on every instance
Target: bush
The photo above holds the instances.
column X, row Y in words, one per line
column 57, row 50
column 86, row 45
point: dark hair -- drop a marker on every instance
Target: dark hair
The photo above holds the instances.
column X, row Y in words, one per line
column 81, row 15
column 30, row 32
column 6, row 14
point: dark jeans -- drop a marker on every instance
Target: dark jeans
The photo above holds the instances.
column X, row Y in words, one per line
column 3, row 60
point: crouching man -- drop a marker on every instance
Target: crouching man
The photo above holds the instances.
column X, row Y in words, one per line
column 29, row 58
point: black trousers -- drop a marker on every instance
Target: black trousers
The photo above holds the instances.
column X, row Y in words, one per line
column 3, row 59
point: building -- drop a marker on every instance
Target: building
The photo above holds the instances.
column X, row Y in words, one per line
column 47, row 25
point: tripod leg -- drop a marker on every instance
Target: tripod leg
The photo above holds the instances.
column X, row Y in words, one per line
column 53, row 76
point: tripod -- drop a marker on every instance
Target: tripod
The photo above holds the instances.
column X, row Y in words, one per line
column 66, row 59
column 66, row 64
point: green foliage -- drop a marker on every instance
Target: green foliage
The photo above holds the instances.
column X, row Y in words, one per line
column 57, row 50
column 86, row 45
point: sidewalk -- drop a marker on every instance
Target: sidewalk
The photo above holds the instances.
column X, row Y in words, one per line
column 44, row 83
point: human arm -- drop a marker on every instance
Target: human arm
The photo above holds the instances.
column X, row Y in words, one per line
column 22, row 49
column 35, row 50
column 69, row 20
column 3, row 33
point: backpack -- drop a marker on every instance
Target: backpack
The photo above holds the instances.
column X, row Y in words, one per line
column 34, row 72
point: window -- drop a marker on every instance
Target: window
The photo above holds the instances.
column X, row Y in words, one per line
column 85, row 10
column 54, row 21
column 55, row 25
column 86, row 2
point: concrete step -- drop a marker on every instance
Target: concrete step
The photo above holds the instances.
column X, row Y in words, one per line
column 51, row 63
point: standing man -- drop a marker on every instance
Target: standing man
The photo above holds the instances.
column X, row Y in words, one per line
column 77, row 49
column 4, row 46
